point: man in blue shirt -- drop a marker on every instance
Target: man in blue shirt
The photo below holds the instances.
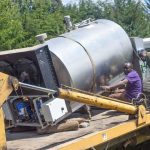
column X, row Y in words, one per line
column 132, row 82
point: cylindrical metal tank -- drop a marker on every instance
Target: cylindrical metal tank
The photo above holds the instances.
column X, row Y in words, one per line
column 91, row 55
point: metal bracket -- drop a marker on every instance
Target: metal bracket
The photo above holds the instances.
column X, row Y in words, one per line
column 13, row 82
column 141, row 115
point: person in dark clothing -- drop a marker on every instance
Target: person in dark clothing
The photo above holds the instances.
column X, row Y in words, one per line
column 132, row 82
column 145, row 57
column 144, row 62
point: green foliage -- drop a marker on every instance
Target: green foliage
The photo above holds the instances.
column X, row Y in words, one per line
column 86, row 9
column 42, row 17
column 11, row 31
column 22, row 20
column 130, row 15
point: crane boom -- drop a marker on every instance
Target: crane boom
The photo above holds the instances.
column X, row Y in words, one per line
column 102, row 102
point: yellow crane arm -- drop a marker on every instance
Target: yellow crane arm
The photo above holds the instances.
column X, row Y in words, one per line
column 7, row 85
column 102, row 102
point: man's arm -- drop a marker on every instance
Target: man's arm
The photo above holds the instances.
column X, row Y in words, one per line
column 119, row 84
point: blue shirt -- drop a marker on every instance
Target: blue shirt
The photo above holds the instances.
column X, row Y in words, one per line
column 134, row 85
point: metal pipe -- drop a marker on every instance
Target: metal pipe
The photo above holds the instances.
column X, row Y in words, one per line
column 33, row 87
column 97, row 101
column 31, row 96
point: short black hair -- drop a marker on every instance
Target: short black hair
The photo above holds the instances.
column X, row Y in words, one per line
column 128, row 65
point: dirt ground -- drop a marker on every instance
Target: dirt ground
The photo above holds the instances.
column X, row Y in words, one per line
column 101, row 119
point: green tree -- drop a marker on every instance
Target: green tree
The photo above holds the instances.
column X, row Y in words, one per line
column 40, row 17
column 130, row 15
column 84, row 10
column 11, row 31
column 22, row 20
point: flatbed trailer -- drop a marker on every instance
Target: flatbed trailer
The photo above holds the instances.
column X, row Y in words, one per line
column 107, row 128
column 101, row 120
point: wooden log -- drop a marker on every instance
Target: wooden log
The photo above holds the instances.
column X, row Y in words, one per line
column 66, row 126
column 80, row 120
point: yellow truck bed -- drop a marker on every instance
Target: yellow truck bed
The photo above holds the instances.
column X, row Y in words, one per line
column 101, row 119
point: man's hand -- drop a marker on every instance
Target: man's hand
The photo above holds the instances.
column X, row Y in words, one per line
column 106, row 88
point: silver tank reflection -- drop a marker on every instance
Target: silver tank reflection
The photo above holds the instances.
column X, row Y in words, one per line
column 90, row 56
